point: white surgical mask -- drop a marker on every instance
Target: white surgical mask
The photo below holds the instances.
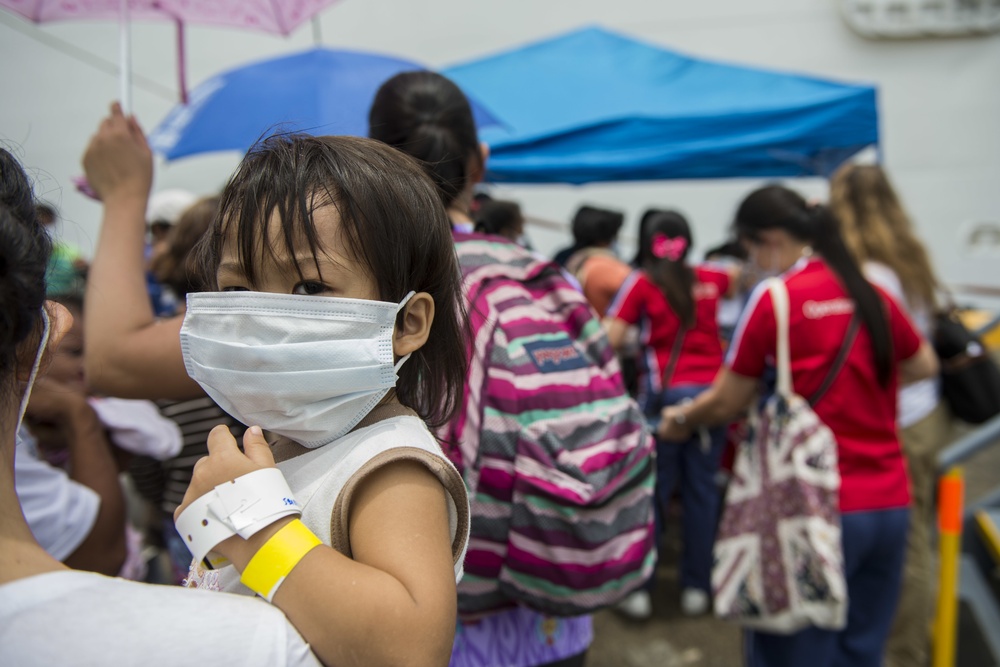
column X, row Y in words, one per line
column 46, row 326
column 306, row 367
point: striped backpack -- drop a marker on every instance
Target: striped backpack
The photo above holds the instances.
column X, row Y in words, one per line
column 556, row 456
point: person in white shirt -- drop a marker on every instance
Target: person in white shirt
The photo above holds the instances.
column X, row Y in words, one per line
column 49, row 614
column 71, row 449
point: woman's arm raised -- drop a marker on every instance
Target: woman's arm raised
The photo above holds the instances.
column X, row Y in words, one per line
column 129, row 353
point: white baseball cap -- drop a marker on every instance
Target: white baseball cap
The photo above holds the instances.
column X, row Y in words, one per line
column 168, row 205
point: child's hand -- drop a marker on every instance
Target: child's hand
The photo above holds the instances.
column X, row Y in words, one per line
column 224, row 463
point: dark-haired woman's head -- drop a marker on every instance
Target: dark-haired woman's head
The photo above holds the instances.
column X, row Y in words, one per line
column 427, row 116
column 667, row 238
column 174, row 264
column 24, row 254
column 500, row 218
column 779, row 226
column 667, row 234
column 596, row 227
column 372, row 217
column 642, row 251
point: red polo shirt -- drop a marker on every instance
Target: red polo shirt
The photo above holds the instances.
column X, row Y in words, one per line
column 641, row 302
column 860, row 412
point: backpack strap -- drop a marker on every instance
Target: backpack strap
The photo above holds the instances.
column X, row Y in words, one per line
column 845, row 348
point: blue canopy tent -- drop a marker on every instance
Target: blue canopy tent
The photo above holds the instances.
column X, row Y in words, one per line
column 592, row 105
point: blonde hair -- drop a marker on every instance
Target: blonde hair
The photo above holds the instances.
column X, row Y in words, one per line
column 876, row 228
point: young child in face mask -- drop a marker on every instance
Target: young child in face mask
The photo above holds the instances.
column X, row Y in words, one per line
column 336, row 275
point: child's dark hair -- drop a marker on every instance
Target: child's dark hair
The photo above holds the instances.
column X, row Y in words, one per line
column 670, row 270
column 392, row 223
column 24, row 254
column 777, row 207
column 427, row 116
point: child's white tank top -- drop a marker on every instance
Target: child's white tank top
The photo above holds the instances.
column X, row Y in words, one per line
column 324, row 479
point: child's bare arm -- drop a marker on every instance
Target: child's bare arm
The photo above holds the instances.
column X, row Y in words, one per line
column 395, row 602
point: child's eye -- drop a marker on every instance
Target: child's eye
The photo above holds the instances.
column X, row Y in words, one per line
column 234, row 288
column 309, row 287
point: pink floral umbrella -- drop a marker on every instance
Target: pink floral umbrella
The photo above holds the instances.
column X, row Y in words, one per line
column 263, row 15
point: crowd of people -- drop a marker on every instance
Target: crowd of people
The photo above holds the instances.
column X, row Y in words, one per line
column 248, row 393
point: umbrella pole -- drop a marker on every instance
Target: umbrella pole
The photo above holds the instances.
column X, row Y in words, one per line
column 124, row 58
column 181, row 63
column 317, row 32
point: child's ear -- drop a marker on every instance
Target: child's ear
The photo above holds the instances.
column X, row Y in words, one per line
column 418, row 316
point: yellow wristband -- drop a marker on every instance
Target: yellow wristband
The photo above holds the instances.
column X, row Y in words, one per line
column 271, row 564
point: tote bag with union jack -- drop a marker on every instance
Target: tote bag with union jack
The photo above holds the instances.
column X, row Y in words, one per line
column 778, row 554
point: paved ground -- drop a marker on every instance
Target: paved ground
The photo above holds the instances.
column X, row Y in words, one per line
column 669, row 639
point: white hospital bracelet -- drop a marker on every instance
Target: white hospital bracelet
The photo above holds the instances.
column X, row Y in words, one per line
column 253, row 501
column 201, row 531
column 241, row 507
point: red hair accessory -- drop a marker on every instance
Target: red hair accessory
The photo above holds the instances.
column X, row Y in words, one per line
column 669, row 248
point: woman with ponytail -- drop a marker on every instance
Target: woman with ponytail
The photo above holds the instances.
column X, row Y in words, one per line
column 675, row 307
column 826, row 289
column 427, row 116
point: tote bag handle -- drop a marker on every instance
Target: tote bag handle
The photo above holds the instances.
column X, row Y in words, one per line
column 779, row 299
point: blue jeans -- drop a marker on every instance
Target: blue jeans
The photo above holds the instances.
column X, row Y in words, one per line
column 874, row 544
column 690, row 467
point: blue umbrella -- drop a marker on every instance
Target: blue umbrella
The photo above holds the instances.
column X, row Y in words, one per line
column 320, row 91
column 593, row 105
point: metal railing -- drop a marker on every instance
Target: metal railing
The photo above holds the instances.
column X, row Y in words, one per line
column 969, row 445
column 988, row 327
